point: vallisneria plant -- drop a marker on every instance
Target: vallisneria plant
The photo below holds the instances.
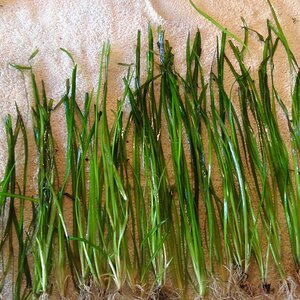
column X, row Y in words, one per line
column 180, row 189
column 11, row 220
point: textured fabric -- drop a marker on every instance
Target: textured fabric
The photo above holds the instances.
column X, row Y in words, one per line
column 82, row 26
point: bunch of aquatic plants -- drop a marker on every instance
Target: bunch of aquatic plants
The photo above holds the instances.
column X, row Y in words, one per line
column 181, row 189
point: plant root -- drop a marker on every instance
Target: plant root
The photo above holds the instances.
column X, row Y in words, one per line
column 44, row 296
column 116, row 295
column 236, row 287
column 218, row 288
column 287, row 289
column 85, row 292
column 90, row 292
column 266, row 291
column 266, row 288
column 139, row 292
column 163, row 293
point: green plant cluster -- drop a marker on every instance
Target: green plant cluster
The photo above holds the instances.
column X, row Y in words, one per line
column 146, row 211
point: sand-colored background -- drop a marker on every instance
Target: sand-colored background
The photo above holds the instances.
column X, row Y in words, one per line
column 82, row 26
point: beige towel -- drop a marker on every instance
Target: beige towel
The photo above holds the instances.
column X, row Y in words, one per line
column 81, row 26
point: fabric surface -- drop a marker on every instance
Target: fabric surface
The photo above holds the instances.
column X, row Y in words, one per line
column 82, row 26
